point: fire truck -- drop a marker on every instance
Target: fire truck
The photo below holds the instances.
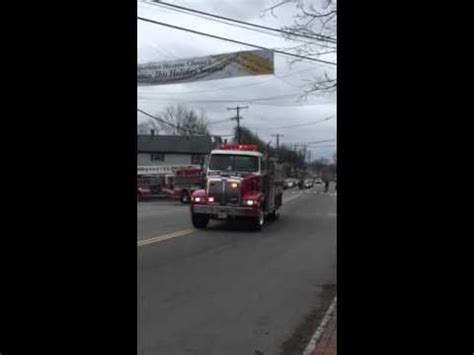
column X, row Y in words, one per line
column 240, row 183
column 170, row 182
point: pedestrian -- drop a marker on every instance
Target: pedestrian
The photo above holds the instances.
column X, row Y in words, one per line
column 326, row 177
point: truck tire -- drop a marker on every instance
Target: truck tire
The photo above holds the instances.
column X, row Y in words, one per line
column 185, row 197
column 200, row 221
column 259, row 221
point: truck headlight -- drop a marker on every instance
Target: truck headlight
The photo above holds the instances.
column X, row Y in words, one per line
column 249, row 202
column 198, row 199
column 210, row 199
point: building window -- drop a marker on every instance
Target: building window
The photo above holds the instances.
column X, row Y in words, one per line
column 197, row 159
column 157, row 157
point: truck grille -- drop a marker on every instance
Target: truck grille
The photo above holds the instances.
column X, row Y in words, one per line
column 232, row 195
column 223, row 193
column 215, row 189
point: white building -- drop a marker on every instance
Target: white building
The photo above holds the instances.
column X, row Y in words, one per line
column 156, row 150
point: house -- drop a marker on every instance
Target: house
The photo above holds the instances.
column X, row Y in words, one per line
column 158, row 150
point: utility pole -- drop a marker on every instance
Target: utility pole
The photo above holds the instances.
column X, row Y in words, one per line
column 304, row 156
column 278, row 135
column 237, row 118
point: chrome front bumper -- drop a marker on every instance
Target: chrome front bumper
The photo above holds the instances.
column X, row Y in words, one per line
column 227, row 210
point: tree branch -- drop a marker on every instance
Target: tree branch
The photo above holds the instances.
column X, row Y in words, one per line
column 270, row 9
column 318, row 15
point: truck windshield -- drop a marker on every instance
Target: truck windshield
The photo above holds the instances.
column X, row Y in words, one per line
column 227, row 162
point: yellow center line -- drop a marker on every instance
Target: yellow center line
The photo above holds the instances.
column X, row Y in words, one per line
column 164, row 237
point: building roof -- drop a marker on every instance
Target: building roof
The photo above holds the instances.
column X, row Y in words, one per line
column 175, row 144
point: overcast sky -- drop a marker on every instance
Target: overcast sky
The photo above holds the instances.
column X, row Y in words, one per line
column 157, row 43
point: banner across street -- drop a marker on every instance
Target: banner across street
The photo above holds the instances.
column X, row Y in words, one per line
column 221, row 66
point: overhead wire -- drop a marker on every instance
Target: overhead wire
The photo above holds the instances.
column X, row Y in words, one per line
column 295, row 125
column 212, row 18
column 300, row 144
column 153, row 101
column 278, row 97
column 236, row 41
column 303, row 124
column 220, row 121
column 318, row 37
column 175, row 126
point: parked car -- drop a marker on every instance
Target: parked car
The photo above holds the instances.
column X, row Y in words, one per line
column 318, row 181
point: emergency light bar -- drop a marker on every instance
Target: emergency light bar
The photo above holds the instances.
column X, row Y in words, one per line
column 239, row 147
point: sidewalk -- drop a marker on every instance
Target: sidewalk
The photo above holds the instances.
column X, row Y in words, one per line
column 327, row 343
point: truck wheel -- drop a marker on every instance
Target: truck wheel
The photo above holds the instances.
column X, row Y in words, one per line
column 185, row 198
column 200, row 220
column 257, row 222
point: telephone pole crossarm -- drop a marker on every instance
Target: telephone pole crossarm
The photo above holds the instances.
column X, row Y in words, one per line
column 237, row 118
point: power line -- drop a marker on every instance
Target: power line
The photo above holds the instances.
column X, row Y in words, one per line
column 216, row 122
column 162, row 101
column 313, row 142
column 324, row 146
column 304, row 124
column 284, row 105
column 235, row 41
column 288, row 33
column 298, row 125
column 215, row 18
column 235, row 101
column 181, row 128
column 318, row 142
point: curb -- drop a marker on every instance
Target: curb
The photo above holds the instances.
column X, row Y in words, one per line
column 320, row 330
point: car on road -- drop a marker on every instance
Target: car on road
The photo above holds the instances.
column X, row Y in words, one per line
column 288, row 184
column 308, row 183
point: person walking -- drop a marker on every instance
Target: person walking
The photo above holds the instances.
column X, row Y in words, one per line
column 326, row 177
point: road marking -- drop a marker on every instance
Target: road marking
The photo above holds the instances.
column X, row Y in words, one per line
column 164, row 237
column 322, row 326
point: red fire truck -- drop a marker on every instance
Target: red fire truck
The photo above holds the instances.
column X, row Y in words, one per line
column 240, row 183
column 177, row 183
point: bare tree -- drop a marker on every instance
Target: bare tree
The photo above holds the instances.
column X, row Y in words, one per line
column 179, row 120
column 315, row 21
column 145, row 127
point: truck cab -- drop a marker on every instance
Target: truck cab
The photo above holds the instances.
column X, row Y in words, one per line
column 240, row 183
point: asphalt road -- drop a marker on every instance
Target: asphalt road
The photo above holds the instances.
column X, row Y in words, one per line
column 227, row 289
